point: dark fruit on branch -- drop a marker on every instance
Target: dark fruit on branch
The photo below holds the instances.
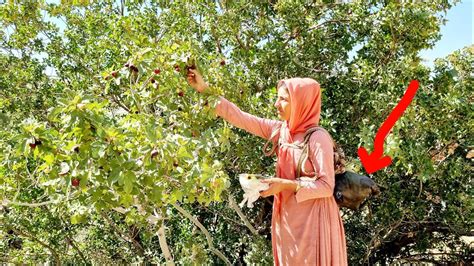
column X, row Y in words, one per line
column 75, row 182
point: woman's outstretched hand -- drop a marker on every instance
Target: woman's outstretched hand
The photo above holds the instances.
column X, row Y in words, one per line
column 195, row 80
column 277, row 185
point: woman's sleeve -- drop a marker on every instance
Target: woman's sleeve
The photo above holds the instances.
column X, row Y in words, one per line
column 321, row 154
column 258, row 126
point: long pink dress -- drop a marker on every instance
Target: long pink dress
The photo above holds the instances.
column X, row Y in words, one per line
column 306, row 226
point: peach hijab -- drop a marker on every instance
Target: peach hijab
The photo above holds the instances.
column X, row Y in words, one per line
column 305, row 96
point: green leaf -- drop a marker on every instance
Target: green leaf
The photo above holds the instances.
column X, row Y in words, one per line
column 49, row 159
column 128, row 185
column 78, row 218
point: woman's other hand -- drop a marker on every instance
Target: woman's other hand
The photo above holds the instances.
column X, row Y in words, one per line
column 195, row 80
column 277, row 185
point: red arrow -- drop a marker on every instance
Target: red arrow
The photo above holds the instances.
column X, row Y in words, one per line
column 376, row 161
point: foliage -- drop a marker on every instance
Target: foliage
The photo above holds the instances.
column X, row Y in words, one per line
column 82, row 100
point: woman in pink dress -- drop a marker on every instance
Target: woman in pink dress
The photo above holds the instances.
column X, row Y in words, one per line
column 306, row 228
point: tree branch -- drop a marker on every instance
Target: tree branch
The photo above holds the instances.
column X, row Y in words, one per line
column 132, row 91
column 237, row 209
column 241, row 44
column 122, row 235
column 53, row 252
column 71, row 242
column 326, row 22
column 7, row 202
column 117, row 101
column 218, row 44
column 431, row 257
column 205, row 232
column 163, row 245
column 393, row 247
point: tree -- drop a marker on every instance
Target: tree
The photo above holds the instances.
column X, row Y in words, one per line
column 111, row 158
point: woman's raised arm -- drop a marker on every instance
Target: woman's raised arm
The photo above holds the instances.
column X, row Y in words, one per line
column 256, row 125
column 230, row 112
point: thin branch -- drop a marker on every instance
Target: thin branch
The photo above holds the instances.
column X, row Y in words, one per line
column 421, row 188
column 53, row 252
column 297, row 32
column 135, row 78
column 117, row 101
column 163, row 244
column 7, row 202
column 122, row 235
column 223, row 216
column 241, row 44
column 218, row 44
column 377, row 240
column 326, row 22
column 430, row 254
column 71, row 242
column 315, row 70
column 237, row 209
column 161, row 35
column 205, row 232
column 221, row 6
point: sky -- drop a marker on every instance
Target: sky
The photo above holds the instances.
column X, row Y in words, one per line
column 456, row 33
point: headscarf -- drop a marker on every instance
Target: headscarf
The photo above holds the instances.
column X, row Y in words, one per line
column 305, row 95
column 305, row 98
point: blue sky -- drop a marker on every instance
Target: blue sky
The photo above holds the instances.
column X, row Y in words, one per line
column 456, row 33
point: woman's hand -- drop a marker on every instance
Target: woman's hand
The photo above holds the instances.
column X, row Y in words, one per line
column 277, row 185
column 195, row 80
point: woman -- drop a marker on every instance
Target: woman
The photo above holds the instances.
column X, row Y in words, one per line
column 306, row 226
